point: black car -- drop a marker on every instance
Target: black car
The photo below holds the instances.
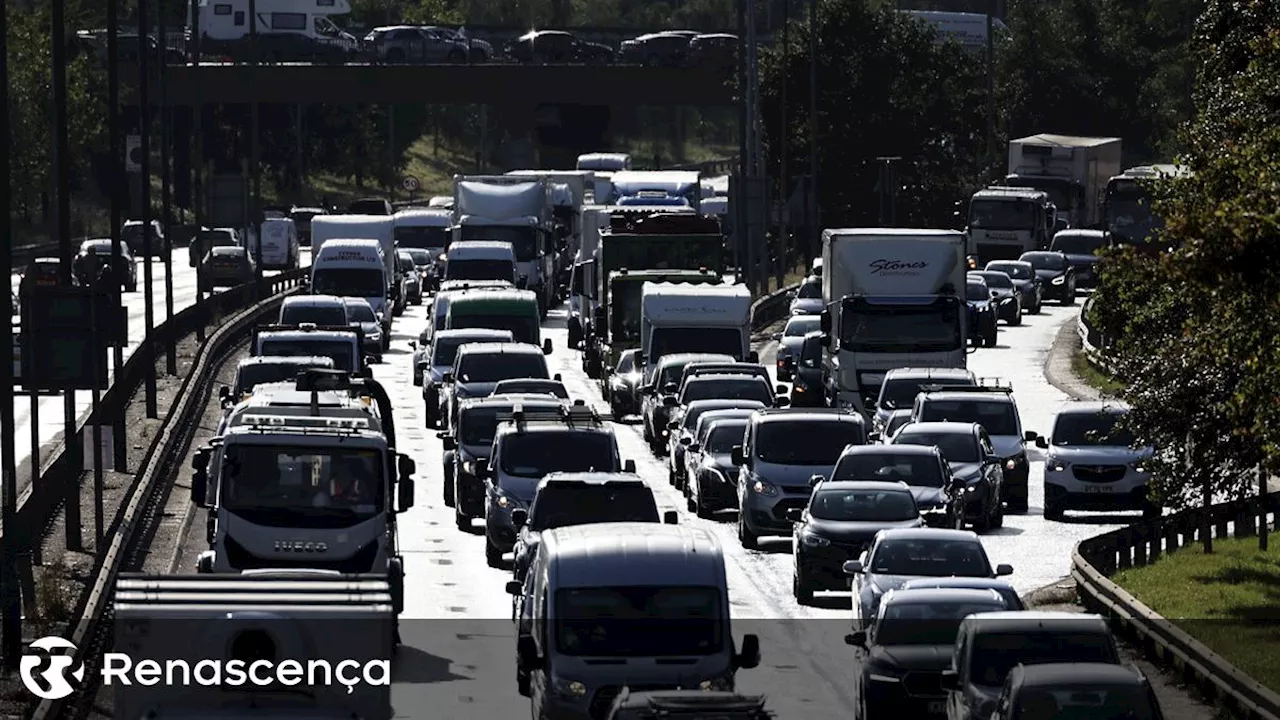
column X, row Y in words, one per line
column 1081, row 248
column 1055, row 273
column 842, row 518
column 909, row 645
column 95, row 263
column 982, row 313
column 621, row 388
column 1024, row 278
column 558, row 46
column 921, row 467
column 1077, row 689
column 973, row 463
column 675, row 704
column 41, row 272
column 1004, row 294
column 713, row 475
column 807, row 389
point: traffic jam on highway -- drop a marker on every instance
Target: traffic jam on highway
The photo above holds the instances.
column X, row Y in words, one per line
column 557, row 369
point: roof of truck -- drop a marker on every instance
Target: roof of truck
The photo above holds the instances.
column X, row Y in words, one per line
column 1065, row 140
column 880, row 232
column 1010, row 193
column 423, row 217
column 493, row 297
column 631, row 554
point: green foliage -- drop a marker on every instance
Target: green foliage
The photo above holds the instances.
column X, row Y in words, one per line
column 885, row 88
column 1198, row 329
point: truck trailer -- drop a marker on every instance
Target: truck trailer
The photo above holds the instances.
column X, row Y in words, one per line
column 894, row 298
column 1072, row 170
column 511, row 209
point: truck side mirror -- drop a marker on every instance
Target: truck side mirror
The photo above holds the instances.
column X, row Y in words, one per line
column 1030, row 436
column 780, row 389
column 406, row 466
column 482, row 469
column 514, row 587
column 670, row 401
column 824, row 322
column 224, row 394
column 546, row 346
column 735, row 455
column 1042, row 443
column 749, row 656
column 519, row 517
column 629, row 466
column 815, row 480
column 794, row 514
column 670, row 388
column 858, row 638
column 557, row 377
column 525, row 648
column 950, row 680
column 753, row 357
column 405, row 492
column 200, row 487
column 446, row 378
column 670, row 517
column 448, row 442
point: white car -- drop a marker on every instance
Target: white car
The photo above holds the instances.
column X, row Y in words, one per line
column 1091, row 463
column 808, row 297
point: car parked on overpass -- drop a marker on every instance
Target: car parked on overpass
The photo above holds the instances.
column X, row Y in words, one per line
column 558, row 46
column 415, row 44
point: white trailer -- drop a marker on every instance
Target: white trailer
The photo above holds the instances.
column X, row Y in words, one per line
column 188, row 625
column 685, row 184
column 510, row 209
column 1072, row 170
column 228, row 20
column 895, row 298
column 694, row 318
column 583, row 280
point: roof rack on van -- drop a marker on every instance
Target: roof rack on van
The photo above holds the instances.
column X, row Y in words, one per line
column 985, row 385
column 572, row 415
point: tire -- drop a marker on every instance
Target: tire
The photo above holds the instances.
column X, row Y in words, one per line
column 1069, row 296
column 1035, row 309
column 691, row 505
column 395, row 55
column 1016, row 320
column 457, row 57
column 131, row 287
column 749, row 540
column 671, row 477
column 997, row 516
column 990, row 340
column 492, row 556
column 461, row 519
column 617, row 411
column 478, row 56
column 1053, row 511
column 1017, row 506
column 801, row 588
column 448, row 489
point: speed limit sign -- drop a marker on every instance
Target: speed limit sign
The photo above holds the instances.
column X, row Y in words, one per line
column 409, row 183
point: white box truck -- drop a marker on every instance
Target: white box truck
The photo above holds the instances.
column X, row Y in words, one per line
column 1072, row 170
column 363, row 227
column 894, row 298
column 511, row 209
column 582, row 276
column 694, row 318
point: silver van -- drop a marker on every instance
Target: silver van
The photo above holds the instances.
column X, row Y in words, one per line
column 573, row 656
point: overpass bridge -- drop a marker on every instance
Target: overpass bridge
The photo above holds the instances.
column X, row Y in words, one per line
column 446, row 84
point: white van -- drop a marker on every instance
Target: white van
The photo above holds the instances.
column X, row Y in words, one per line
column 327, row 228
column 480, row 260
column 355, row 268
column 279, row 238
column 573, row 659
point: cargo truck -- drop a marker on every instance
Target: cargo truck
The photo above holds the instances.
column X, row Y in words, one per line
column 325, row 228
column 1072, row 170
column 1127, row 208
column 894, row 298
column 511, row 209
column 1005, row 222
column 582, row 276
column 626, row 307
column 681, row 318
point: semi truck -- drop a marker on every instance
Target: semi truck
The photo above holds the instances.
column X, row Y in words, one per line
column 1072, row 170
column 511, row 209
column 336, row 629
column 695, row 318
column 305, row 477
column 582, row 276
column 1005, row 222
column 1127, row 209
column 625, row 317
column 571, row 191
column 894, row 298
column 658, row 184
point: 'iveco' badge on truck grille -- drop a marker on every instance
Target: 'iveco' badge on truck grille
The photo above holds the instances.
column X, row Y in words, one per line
column 300, row 546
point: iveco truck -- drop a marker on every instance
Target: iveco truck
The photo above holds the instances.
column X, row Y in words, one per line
column 894, row 298
column 511, row 209
column 1072, row 170
column 1005, row 222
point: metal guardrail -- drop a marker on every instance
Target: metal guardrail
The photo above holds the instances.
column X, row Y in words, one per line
column 771, row 308
column 1096, row 559
column 1092, row 341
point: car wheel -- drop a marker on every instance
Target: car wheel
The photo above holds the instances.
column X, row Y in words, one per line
column 1069, row 295
column 801, row 587
column 690, row 504
column 1035, row 309
column 131, row 287
column 449, row 500
column 1017, row 316
column 997, row 516
column 457, row 57
column 749, row 540
column 461, row 519
column 492, row 555
column 990, row 340
column 1053, row 510
column 395, row 55
column 671, row 476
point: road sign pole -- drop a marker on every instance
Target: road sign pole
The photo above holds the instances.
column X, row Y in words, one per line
column 98, row 359
column 166, row 208
column 10, row 595
column 119, row 184
column 149, row 321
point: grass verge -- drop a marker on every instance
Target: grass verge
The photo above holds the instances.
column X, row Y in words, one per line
column 1229, row 600
column 1093, row 377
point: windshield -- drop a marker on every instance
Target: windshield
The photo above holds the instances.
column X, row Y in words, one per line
column 330, row 315
column 1100, row 429
column 423, row 238
column 900, row 328
column 627, row 363
column 479, row 270
column 1119, row 702
column 995, row 654
column 525, row 386
column 738, row 388
column 901, row 393
column 350, row 282
column 1078, row 244
column 404, row 262
column 339, row 484
column 587, row 504
column 998, row 280
column 911, row 468
column 801, row 326
column 724, row 436
column 212, row 238
column 1046, row 261
column 421, row 257
column 477, row 426
column 999, row 418
column 1003, row 214
column 805, row 442
column 673, row 341
column 368, row 207
column 955, row 447
column 524, row 240
column 532, row 455
column 810, row 290
column 494, row 367
column 975, row 292
column 811, row 352
column 917, row 623
column 339, row 351
column 250, row 376
column 524, row 328
column 1017, row 272
column 446, row 349
column 358, row 312
column 930, row 558
column 639, row 621
column 863, row 506
column 625, row 310
column 1129, row 212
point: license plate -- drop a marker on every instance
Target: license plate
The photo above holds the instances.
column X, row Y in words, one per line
column 1098, row 489
column 937, row 706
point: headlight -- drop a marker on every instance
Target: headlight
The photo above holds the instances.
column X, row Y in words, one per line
column 1055, row 465
column 815, row 541
column 1059, row 280
column 876, row 677
column 504, row 502
column 1138, row 466
column 761, row 487
column 719, row 684
column 569, row 688
column 717, row 475
column 1013, row 462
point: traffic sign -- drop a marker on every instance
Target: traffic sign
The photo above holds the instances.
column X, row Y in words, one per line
column 133, row 153
column 410, row 183
column 65, row 334
column 74, row 309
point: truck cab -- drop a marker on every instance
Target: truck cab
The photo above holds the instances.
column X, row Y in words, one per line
column 582, row 274
column 306, row 477
column 378, row 229
column 626, row 290
column 1072, row 170
column 1005, row 222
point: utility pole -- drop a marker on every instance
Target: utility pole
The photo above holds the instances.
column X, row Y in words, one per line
column 10, row 594
column 992, row 151
column 144, row 133
column 255, row 198
column 755, row 207
column 166, row 204
column 784, row 137
column 811, row 204
column 742, row 244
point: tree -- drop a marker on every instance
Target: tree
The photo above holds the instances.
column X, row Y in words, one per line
column 886, row 88
column 1197, row 328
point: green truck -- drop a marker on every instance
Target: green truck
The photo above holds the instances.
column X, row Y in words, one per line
column 498, row 309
